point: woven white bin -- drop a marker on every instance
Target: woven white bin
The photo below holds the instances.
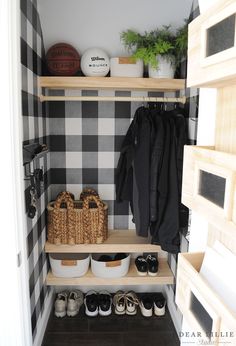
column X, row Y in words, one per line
column 71, row 265
column 111, row 269
column 126, row 67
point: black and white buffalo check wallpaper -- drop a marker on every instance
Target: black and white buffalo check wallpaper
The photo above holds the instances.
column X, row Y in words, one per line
column 84, row 140
column 34, row 130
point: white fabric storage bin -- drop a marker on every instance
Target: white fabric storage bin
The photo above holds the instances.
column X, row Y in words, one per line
column 126, row 67
column 110, row 269
column 71, row 265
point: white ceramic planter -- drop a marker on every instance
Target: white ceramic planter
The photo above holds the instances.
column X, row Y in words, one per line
column 126, row 67
column 165, row 69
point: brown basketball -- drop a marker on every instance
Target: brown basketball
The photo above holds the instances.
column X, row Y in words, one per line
column 63, row 60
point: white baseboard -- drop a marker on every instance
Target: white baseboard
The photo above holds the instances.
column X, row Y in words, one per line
column 42, row 324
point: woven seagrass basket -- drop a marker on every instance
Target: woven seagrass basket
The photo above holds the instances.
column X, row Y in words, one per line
column 77, row 222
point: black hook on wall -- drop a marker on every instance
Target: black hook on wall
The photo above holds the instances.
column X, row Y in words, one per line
column 31, row 152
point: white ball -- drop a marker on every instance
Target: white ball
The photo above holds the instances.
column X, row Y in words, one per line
column 95, row 62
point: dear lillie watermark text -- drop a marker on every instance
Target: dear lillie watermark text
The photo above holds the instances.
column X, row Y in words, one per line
column 206, row 338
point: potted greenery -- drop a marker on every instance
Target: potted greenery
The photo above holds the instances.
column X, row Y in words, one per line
column 158, row 49
column 181, row 46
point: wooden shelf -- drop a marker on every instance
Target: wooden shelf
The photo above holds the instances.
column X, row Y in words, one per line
column 164, row 277
column 114, row 83
column 118, row 241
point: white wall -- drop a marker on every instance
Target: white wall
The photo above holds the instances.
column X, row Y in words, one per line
column 96, row 23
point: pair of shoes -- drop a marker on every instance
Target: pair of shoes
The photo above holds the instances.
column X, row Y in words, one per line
column 108, row 258
column 68, row 303
column 125, row 303
column 97, row 303
column 147, row 265
column 152, row 303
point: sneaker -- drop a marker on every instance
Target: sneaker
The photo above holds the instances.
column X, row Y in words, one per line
column 105, row 302
column 141, row 266
column 75, row 300
column 91, row 304
column 131, row 302
column 119, row 303
column 60, row 304
column 152, row 264
column 146, row 305
column 159, row 304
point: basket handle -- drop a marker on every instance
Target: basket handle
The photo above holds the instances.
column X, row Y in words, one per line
column 100, row 206
column 65, row 197
column 92, row 198
column 87, row 192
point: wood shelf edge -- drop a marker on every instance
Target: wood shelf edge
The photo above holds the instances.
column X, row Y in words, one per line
column 118, row 240
column 115, row 83
column 164, row 277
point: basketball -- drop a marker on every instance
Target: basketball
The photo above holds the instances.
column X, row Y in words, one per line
column 62, row 60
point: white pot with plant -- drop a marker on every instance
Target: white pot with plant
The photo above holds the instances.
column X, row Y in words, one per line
column 157, row 49
column 164, row 68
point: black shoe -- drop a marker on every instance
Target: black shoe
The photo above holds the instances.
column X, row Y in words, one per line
column 141, row 266
column 152, row 263
column 105, row 258
column 91, row 304
column 105, row 303
column 159, row 304
column 146, row 305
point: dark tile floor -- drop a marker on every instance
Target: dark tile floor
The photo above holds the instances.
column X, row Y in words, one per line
column 110, row 331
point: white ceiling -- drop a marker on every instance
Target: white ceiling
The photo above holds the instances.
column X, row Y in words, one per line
column 98, row 23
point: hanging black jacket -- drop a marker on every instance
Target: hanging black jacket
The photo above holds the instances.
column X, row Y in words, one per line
column 149, row 174
column 132, row 174
column 165, row 231
column 181, row 134
column 124, row 170
column 156, row 162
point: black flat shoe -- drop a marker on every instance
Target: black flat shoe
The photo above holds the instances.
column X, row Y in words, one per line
column 141, row 266
column 152, row 264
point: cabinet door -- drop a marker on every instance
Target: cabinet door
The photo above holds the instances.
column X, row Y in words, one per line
column 212, row 46
column 209, row 185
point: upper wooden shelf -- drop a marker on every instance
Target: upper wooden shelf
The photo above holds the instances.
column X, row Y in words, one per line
column 118, row 241
column 114, row 83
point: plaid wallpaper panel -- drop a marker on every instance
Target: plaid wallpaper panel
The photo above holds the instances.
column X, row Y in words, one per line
column 85, row 142
column 34, row 130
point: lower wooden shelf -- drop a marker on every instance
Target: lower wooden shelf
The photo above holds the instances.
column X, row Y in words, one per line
column 117, row 241
column 164, row 276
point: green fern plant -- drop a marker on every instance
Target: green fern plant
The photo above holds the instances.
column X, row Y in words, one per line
column 149, row 54
column 181, row 42
column 147, row 46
